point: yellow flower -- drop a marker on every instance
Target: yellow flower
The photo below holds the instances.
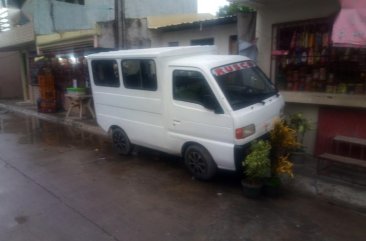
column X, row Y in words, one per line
column 283, row 136
column 284, row 166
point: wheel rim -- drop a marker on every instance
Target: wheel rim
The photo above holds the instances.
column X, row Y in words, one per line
column 196, row 163
column 120, row 141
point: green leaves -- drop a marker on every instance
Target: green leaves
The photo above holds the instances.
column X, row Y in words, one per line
column 257, row 164
column 233, row 9
column 300, row 124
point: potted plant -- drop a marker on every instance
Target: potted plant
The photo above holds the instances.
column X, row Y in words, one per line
column 283, row 140
column 300, row 124
column 283, row 170
column 257, row 167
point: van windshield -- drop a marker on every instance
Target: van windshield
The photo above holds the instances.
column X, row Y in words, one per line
column 243, row 84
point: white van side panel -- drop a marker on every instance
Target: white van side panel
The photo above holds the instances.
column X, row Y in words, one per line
column 140, row 117
column 138, row 112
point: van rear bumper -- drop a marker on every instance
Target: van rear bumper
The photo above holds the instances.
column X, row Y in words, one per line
column 241, row 151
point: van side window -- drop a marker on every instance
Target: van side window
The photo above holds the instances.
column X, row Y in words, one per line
column 191, row 86
column 139, row 74
column 105, row 73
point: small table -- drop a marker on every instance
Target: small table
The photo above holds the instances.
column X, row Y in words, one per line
column 79, row 100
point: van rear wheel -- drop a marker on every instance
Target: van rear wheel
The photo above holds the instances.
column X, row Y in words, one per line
column 199, row 162
column 121, row 142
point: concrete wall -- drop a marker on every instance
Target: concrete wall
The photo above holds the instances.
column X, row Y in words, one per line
column 41, row 14
column 68, row 17
column 220, row 33
column 50, row 16
column 106, row 38
column 137, row 34
column 100, row 11
column 17, row 36
column 145, row 8
column 10, row 76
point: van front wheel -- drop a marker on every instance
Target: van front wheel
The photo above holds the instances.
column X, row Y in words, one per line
column 199, row 162
column 121, row 142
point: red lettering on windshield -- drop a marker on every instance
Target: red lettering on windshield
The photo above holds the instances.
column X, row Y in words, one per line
column 236, row 67
column 219, row 71
column 244, row 65
column 229, row 68
column 232, row 67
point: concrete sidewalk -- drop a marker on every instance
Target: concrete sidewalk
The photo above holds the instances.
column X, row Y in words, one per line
column 306, row 180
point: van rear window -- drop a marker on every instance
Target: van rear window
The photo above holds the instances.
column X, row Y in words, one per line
column 139, row 74
column 105, row 73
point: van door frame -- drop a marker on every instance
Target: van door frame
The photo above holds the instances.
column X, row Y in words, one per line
column 219, row 134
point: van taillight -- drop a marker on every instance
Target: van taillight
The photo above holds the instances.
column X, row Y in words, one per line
column 244, row 132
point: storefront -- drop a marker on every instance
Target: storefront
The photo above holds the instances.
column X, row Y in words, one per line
column 59, row 65
column 52, row 73
column 319, row 71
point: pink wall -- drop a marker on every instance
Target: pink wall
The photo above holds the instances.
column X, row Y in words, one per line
column 10, row 76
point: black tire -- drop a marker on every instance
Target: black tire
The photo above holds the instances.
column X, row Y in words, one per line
column 121, row 142
column 199, row 162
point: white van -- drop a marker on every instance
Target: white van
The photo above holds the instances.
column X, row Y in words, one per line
column 185, row 101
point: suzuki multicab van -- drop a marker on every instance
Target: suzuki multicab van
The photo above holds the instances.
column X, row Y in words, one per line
column 185, row 101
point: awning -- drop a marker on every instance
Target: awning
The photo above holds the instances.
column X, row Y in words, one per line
column 349, row 29
column 73, row 41
column 156, row 22
column 71, row 46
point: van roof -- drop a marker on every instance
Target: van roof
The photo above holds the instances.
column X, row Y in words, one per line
column 208, row 61
column 156, row 52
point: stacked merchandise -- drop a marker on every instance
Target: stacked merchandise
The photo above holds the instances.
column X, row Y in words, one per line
column 307, row 61
column 47, row 101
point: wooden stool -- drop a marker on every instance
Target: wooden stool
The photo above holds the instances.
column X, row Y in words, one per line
column 77, row 100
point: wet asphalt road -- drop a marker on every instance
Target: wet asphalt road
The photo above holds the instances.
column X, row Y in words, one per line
column 60, row 184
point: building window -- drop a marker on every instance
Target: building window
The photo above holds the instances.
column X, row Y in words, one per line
column 205, row 41
column 173, row 44
column 139, row 74
column 191, row 86
column 81, row 2
column 105, row 73
column 304, row 60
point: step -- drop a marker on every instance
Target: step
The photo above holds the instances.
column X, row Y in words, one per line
column 351, row 140
column 343, row 159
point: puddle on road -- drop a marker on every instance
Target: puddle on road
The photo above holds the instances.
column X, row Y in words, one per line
column 31, row 130
column 58, row 140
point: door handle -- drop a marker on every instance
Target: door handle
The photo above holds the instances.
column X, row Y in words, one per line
column 176, row 122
